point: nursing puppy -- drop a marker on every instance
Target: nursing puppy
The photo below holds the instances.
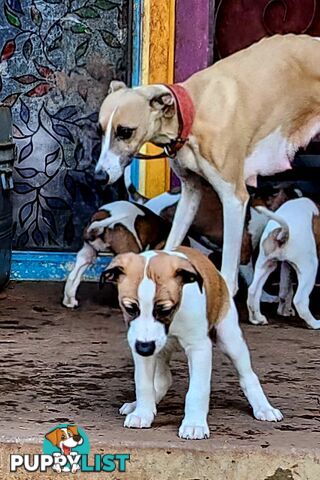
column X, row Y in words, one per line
column 292, row 235
column 179, row 298
column 118, row 227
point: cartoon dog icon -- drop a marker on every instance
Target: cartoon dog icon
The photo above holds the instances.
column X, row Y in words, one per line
column 65, row 439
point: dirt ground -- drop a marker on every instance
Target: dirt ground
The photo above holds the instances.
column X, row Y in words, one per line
column 61, row 366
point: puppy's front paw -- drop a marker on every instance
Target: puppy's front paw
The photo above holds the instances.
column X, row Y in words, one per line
column 268, row 414
column 70, row 302
column 194, row 430
column 127, row 408
column 258, row 320
column 139, row 419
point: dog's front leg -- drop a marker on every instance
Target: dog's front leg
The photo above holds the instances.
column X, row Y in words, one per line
column 85, row 257
column 186, row 210
column 145, row 408
column 194, row 425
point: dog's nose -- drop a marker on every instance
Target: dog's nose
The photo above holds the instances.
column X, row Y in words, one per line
column 76, row 438
column 145, row 348
column 102, row 177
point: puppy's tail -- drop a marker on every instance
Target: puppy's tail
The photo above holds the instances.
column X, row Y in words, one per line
column 278, row 237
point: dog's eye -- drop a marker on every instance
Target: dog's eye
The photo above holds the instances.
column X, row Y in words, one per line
column 124, row 133
column 161, row 311
column 132, row 309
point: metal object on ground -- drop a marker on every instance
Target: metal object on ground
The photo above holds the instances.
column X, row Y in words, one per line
column 7, row 155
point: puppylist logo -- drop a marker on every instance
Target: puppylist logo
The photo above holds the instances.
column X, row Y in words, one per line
column 66, row 449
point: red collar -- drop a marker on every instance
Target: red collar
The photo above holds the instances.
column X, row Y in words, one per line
column 186, row 114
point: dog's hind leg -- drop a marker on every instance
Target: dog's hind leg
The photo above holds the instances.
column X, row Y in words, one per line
column 285, row 307
column 232, row 343
column 85, row 257
column 263, row 269
column 306, row 274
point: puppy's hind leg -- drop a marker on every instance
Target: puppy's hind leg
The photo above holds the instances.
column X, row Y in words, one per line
column 262, row 271
column 306, row 274
column 232, row 343
column 85, row 257
column 285, row 307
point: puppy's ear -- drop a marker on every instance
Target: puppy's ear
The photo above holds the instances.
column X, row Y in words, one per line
column 116, row 85
column 189, row 275
column 113, row 272
column 73, row 429
column 165, row 103
column 53, row 437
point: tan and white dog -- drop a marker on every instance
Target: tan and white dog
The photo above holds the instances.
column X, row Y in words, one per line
column 249, row 114
column 65, row 439
column 118, row 227
column 292, row 236
column 179, row 298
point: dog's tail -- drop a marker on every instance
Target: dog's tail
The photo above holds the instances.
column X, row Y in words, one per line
column 278, row 237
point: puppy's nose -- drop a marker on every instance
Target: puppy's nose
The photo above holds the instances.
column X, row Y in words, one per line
column 102, row 177
column 76, row 438
column 145, row 348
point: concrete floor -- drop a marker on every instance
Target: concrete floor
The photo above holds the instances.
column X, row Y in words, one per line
column 61, row 366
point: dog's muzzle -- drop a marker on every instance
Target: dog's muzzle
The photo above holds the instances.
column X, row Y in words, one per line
column 145, row 349
column 102, row 177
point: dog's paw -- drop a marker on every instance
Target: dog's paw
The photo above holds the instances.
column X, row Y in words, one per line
column 139, row 419
column 194, row 430
column 285, row 310
column 127, row 408
column 268, row 414
column 70, row 302
column 258, row 320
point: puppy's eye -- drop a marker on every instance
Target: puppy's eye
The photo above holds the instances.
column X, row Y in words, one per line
column 132, row 309
column 124, row 133
column 161, row 311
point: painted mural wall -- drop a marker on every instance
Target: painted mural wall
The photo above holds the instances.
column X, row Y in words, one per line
column 57, row 58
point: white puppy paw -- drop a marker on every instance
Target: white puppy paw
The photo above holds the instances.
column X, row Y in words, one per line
column 194, row 430
column 268, row 414
column 139, row 419
column 258, row 319
column 70, row 302
column 127, row 408
column 285, row 310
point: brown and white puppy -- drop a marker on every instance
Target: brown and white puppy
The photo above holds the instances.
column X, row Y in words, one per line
column 179, row 298
column 65, row 439
column 292, row 235
column 248, row 121
column 118, row 227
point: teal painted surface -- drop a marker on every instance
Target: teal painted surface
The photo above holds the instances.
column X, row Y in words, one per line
column 51, row 266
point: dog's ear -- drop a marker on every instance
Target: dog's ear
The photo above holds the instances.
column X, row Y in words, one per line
column 116, row 85
column 165, row 103
column 112, row 273
column 188, row 274
column 73, row 429
column 53, row 437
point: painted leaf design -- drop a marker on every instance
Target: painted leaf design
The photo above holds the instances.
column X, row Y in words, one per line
column 52, row 157
column 15, row 5
column 27, row 172
column 81, row 50
column 110, row 39
column 55, row 43
column 25, row 213
column 24, row 112
column 38, row 237
column 105, row 5
column 26, row 151
column 8, row 50
column 78, row 153
column 23, row 239
column 10, row 100
column 27, row 49
column 48, row 218
column 20, row 187
column 62, row 131
column 56, row 203
column 65, row 113
column 80, row 28
column 87, row 12
column 36, row 15
column 16, row 132
column 44, row 71
column 40, row 90
column 12, row 17
column 27, row 79
column 70, row 185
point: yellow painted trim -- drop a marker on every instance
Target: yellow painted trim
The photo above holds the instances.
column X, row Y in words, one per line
column 158, row 34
